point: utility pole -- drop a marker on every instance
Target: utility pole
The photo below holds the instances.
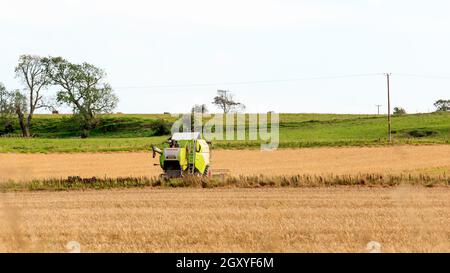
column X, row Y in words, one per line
column 378, row 106
column 388, row 76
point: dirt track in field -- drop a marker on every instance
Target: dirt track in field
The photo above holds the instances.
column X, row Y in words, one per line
column 399, row 159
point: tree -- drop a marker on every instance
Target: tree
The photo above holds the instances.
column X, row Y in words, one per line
column 82, row 88
column 31, row 71
column 199, row 108
column 5, row 106
column 442, row 105
column 19, row 103
column 197, row 112
column 398, row 111
column 225, row 101
column 6, row 110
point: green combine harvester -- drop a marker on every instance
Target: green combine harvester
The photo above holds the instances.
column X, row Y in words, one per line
column 184, row 154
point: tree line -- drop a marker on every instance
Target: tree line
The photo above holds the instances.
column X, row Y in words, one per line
column 82, row 87
column 224, row 100
column 441, row 106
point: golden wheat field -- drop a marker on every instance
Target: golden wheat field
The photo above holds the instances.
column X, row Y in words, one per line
column 403, row 218
column 334, row 219
column 433, row 159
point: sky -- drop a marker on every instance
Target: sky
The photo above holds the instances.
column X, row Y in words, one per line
column 294, row 56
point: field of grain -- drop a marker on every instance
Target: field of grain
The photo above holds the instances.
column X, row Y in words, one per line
column 334, row 219
column 432, row 159
column 403, row 218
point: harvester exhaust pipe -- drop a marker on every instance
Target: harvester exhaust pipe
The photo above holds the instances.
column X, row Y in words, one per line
column 155, row 151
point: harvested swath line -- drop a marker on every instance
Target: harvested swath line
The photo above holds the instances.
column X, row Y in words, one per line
column 367, row 180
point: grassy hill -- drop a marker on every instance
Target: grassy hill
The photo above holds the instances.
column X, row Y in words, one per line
column 58, row 133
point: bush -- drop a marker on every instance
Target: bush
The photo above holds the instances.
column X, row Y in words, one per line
column 9, row 128
column 421, row 133
column 442, row 105
column 398, row 111
column 160, row 127
column 6, row 127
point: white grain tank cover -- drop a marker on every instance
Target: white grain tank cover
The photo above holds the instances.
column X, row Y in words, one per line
column 186, row 136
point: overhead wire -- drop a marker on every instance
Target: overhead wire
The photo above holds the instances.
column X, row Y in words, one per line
column 152, row 86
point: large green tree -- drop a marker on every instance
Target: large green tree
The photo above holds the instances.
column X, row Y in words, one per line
column 32, row 72
column 83, row 88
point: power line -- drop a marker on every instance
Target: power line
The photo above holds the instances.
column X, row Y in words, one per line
column 248, row 82
column 187, row 85
column 423, row 76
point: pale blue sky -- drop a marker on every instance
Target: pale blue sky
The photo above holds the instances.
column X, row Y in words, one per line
column 143, row 44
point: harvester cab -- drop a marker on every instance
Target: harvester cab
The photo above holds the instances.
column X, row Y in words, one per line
column 184, row 153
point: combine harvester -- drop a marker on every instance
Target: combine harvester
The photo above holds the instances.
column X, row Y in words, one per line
column 184, row 154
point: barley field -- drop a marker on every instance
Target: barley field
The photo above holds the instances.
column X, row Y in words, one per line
column 328, row 219
column 430, row 159
column 252, row 212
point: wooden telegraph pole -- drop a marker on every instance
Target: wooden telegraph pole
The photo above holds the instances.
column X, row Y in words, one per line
column 378, row 107
column 388, row 75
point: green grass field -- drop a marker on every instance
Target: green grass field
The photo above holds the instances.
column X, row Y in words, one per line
column 56, row 133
